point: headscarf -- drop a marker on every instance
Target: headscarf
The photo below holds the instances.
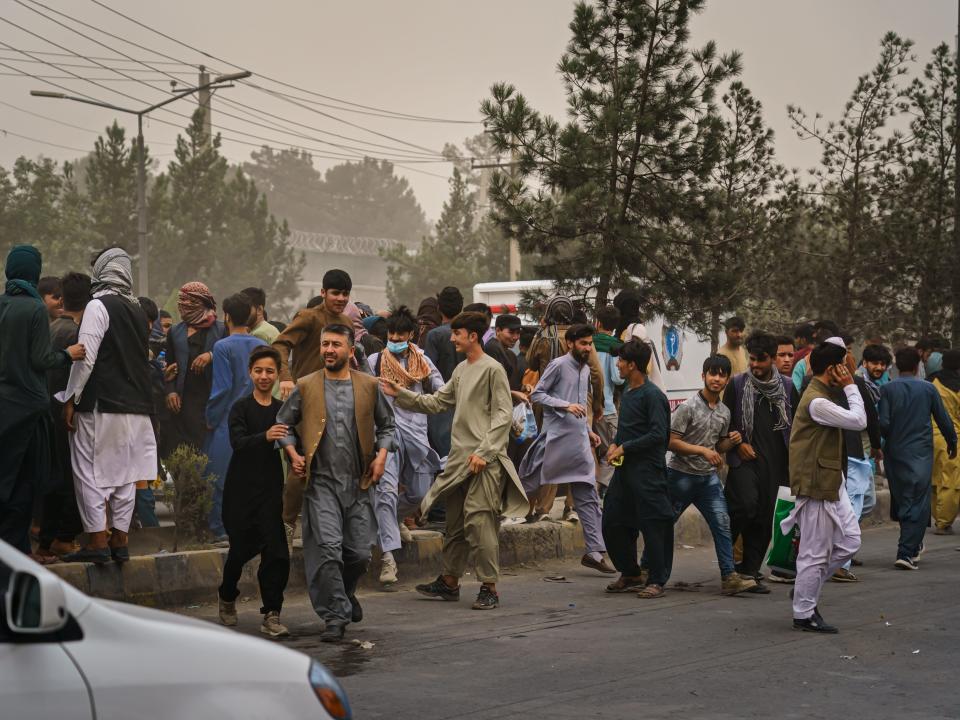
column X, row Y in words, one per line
column 416, row 370
column 196, row 305
column 369, row 321
column 23, row 271
column 428, row 317
column 558, row 310
column 775, row 394
column 113, row 274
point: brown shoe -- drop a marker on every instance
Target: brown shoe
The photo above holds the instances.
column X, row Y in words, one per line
column 600, row 565
column 735, row 583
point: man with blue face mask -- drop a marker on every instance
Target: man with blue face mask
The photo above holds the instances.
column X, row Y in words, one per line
column 412, row 467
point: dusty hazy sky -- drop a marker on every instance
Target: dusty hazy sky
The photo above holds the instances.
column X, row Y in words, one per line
column 426, row 57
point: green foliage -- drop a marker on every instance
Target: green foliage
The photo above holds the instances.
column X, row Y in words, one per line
column 363, row 198
column 192, row 494
column 600, row 197
column 461, row 252
column 212, row 225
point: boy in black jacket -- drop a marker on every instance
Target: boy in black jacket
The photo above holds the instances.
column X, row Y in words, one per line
column 253, row 497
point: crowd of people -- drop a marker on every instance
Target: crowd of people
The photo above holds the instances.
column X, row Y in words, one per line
column 364, row 426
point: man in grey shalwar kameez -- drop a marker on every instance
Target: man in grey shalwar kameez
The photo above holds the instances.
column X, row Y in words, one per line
column 346, row 428
column 563, row 452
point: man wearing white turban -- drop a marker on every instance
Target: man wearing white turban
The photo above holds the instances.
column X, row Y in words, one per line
column 107, row 407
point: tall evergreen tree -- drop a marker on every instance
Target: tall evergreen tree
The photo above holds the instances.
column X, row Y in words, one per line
column 111, row 189
column 597, row 197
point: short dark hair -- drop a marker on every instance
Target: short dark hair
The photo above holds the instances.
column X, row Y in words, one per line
column 579, row 316
column 847, row 338
column 472, row 322
column 239, row 308
column 149, row 308
column 824, row 329
column 577, row 332
column 340, row 329
column 511, row 322
column 337, row 280
column 924, row 343
column 824, row 355
column 281, row 326
column 907, row 359
column 636, row 352
column 49, row 285
column 527, row 334
column 401, row 320
column 718, row 364
column 480, row 308
column 164, row 314
column 805, row 332
column 258, row 298
column 951, row 360
column 314, row 301
column 784, row 340
column 761, row 344
column 609, row 317
column 75, row 290
column 734, row 322
column 877, row 353
column 450, row 302
column 263, row 351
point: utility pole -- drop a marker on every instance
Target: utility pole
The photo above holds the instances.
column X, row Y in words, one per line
column 204, row 95
column 143, row 254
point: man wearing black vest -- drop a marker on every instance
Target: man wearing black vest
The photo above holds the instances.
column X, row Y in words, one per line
column 829, row 528
column 107, row 406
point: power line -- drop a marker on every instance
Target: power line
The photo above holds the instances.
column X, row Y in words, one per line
column 65, row 124
column 186, row 73
column 42, row 142
column 146, row 65
column 399, row 115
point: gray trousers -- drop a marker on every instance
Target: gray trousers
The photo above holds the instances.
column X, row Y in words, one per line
column 586, row 501
column 336, row 549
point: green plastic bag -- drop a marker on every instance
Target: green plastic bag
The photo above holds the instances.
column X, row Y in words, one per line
column 783, row 549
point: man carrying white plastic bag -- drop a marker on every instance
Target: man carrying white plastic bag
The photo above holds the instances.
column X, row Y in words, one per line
column 829, row 529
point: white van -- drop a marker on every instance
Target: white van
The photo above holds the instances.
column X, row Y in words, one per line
column 678, row 352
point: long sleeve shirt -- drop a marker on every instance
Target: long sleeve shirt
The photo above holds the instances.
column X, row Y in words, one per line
column 96, row 322
column 830, row 414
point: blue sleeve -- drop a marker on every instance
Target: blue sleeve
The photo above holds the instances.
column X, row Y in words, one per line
column 883, row 410
column 218, row 406
column 799, row 372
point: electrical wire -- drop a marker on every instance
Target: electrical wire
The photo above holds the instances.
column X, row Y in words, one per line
column 65, row 124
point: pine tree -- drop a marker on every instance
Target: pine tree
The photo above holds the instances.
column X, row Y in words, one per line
column 111, row 189
column 597, row 197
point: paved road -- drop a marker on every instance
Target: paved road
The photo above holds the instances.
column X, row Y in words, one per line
column 567, row 650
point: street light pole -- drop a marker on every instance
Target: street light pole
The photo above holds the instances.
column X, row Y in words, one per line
column 142, row 239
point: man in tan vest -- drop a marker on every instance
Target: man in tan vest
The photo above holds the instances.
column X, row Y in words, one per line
column 344, row 429
column 829, row 529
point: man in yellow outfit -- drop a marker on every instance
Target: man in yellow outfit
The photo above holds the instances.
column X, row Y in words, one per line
column 946, row 470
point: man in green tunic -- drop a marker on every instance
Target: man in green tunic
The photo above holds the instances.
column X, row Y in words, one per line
column 479, row 482
column 25, row 424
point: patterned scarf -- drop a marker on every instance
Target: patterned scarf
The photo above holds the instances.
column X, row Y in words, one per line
column 416, row 370
column 774, row 393
column 113, row 274
column 871, row 384
column 196, row 305
column 558, row 310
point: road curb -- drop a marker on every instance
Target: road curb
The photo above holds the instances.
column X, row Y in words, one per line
column 170, row 579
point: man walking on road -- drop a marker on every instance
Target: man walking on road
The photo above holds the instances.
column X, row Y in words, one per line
column 563, row 452
column 472, row 484
column 699, row 435
column 345, row 429
column 829, row 528
column 946, row 470
column 906, row 405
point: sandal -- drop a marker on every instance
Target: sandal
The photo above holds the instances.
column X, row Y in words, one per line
column 650, row 592
column 625, row 584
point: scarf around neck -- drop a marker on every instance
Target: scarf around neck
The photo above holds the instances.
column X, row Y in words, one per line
column 23, row 271
column 416, row 370
column 604, row 342
column 772, row 390
column 196, row 305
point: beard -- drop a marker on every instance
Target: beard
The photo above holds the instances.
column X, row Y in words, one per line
column 334, row 364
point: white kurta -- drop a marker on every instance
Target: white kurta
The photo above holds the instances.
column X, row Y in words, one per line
column 829, row 530
column 109, row 451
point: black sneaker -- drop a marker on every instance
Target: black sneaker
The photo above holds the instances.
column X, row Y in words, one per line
column 333, row 633
column 99, row 556
column 120, row 555
column 760, row 588
column 814, row 623
column 356, row 610
column 487, row 599
column 439, row 589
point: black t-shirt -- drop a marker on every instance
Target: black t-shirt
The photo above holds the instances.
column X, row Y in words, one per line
column 254, row 483
column 507, row 358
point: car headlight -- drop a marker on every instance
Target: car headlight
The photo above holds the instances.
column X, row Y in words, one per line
column 329, row 692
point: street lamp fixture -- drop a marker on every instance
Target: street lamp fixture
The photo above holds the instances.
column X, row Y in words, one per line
column 142, row 240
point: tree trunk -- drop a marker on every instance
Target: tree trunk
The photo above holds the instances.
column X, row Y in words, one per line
column 714, row 330
column 955, row 334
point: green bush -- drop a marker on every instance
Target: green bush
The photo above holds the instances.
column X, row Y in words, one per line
column 192, row 494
